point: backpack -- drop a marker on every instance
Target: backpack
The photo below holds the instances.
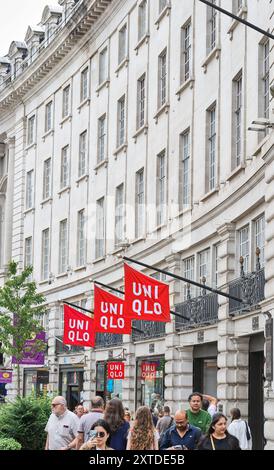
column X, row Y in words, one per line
column 248, row 436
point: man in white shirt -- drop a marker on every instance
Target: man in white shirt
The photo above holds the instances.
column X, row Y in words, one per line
column 61, row 427
column 240, row 429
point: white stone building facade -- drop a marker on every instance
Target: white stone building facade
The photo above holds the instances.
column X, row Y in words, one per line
column 124, row 130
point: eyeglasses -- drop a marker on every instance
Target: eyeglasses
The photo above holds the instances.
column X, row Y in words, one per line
column 100, row 434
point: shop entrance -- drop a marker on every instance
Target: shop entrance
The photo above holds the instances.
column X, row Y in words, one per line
column 107, row 388
column 71, row 386
column 256, row 391
column 150, row 382
column 205, row 369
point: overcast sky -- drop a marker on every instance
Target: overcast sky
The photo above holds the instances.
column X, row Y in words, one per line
column 16, row 16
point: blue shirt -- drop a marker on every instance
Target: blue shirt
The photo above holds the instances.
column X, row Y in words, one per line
column 118, row 440
column 172, row 438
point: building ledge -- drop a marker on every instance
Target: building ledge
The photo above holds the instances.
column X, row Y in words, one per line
column 236, row 171
column 214, row 54
column 164, row 12
column 189, row 83
column 242, row 13
column 143, row 40
column 64, row 190
column 163, row 109
column 120, row 149
column 98, row 260
column 30, row 146
column 141, row 130
column 82, row 104
column 48, row 200
column 142, row 238
column 80, row 268
column 82, row 178
column 103, row 163
column 209, row 194
column 65, row 119
column 102, row 85
column 61, row 275
column 31, row 210
column 123, row 63
column 49, row 132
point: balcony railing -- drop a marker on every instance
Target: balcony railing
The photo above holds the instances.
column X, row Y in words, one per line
column 202, row 310
column 105, row 340
column 250, row 288
column 150, row 330
column 61, row 348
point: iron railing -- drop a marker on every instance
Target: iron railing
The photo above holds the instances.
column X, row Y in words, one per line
column 104, row 340
column 150, row 329
column 202, row 310
column 250, row 288
column 61, row 348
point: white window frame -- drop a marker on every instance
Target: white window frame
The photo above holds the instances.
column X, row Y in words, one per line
column 141, row 101
column 102, row 141
column 103, row 65
column 31, row 129
column 30, row 189
column 142, row 19
column 84, row 84
column 49, row 116
column 121, row 124
column 65, row 167
column 47, row 179
column 81, row 238
column 140, row 203
column 63, row 246
column 82, row 163
column 100, row 228
column 162, row 78
column 122, row 44
column 186, row 49
column 161, row 188
column 119, row 227
column 66, row 102
column 45, row 254
column 237, row 120
column 28, row 252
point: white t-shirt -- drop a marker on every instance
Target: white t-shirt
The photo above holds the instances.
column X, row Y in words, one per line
column 238, row 429
column 61, row 430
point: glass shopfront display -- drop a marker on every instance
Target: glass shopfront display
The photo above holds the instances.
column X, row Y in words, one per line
column 71, row 386
column 107, row 388
column 36, row 382
column 150, row 382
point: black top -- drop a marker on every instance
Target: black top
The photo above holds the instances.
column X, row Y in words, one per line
column 228, row 443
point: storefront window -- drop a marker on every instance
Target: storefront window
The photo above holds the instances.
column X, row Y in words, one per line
column 150, row 382
column 107, row 388
column 71, row 386
column 36, row 382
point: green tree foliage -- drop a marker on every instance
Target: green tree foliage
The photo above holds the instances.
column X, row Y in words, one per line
column 24, row 420
column 20, row 308
column 7, row 443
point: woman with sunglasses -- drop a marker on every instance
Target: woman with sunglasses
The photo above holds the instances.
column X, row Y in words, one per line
column 100, row 436
column 217, row 437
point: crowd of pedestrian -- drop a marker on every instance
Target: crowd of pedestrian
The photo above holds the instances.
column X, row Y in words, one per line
column 112, row 427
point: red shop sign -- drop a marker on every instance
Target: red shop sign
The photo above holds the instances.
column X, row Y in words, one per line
column 116, row 370
column 148, row 370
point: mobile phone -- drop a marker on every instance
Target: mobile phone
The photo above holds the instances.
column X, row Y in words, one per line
column 92, row 434
column 177, row 447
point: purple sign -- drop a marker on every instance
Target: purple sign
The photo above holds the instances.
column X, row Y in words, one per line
column 5, row 377
column 32, row 357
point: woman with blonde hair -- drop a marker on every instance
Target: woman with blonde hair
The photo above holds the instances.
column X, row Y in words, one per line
column 143, row 435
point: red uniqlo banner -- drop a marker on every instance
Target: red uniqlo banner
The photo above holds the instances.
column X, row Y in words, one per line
column 116, row 370
column 148, row 370
column 78, row 328
column 109, row 313
column 145, row 297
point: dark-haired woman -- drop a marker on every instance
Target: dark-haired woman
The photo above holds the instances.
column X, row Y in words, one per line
column 115, row 417
column 217, row 437
column 100, row 432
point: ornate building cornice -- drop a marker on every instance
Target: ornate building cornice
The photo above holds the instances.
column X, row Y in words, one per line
column 83, row 17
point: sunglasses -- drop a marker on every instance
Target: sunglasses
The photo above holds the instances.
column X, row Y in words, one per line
column 55, row 404
column 100, row 434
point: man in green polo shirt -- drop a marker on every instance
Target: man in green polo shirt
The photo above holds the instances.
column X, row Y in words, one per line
column 196, row 416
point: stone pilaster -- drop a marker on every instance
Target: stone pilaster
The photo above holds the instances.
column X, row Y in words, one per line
column 172, row 356
column 268, row 304
column 8, row 220
column 89, row 385
column 54, row 313
column 129, row 382
column 227, row 361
